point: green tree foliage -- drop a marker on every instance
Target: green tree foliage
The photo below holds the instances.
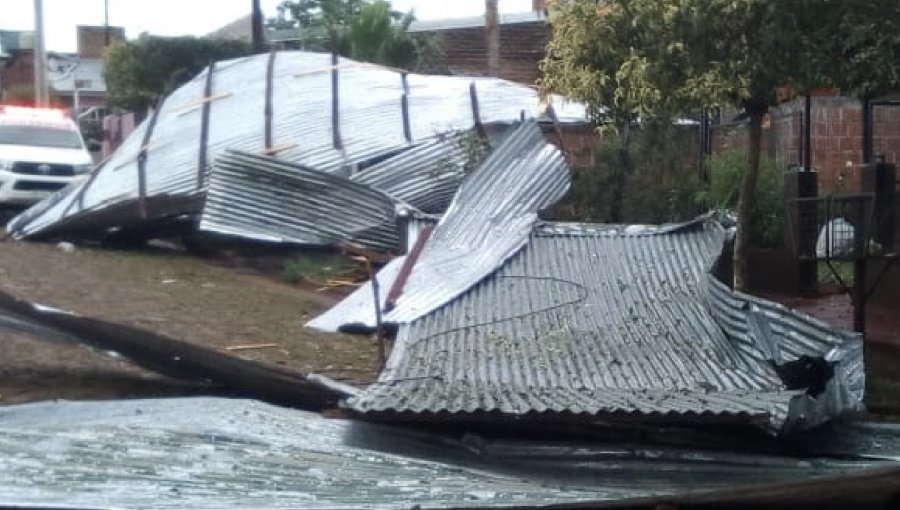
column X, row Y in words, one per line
column 363, row 30
column 139, row 72
column 629, row 58
column 725, row 171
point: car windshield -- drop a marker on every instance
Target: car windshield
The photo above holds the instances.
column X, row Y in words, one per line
column 41, row 136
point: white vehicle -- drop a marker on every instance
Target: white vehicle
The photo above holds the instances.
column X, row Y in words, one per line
column 41, row 151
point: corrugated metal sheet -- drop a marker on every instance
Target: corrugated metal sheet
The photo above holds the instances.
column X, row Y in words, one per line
column 607, row 321
column 262, row 198
column 239, row 454
column 489, row 220
column 425, row 177
column 764, row 330
column 371, row 125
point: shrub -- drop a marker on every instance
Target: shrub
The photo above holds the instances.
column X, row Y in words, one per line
column 315, row 268
column 652, row 177
column 725, row 171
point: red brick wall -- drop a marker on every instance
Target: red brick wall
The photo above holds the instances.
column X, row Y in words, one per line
column 578, row 141
column 19, row 72
column 886, row 120
column 521, row 48
column 836, row 138
column 92, row 39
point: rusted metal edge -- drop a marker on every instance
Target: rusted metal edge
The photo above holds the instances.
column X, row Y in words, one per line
column 270, row 85
column 406, row 268
column 204, row 126
column 142, row 160
column 174, row 358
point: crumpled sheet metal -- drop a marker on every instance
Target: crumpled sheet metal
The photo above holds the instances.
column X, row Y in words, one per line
column 371, row 125
column 267, row 199
column 238, row 454
column 424, row 177
column 617, row 323
column 764, row 330
column 489, row 220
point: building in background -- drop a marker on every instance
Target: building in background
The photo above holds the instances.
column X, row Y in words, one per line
column 241, row 29
column 76, row 79
column 523, row 40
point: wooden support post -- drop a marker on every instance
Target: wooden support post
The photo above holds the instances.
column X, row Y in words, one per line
column 270, row 85
column 404, row 107
column 335, row 105
column 204, row 126
column 408, row 264
column 379, row 327
column 142, row 160
column 476, row 112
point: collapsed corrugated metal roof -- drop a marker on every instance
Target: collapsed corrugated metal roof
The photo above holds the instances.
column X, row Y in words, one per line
column 425, row 177
column 227, row 453
column 489, row 220
column 623, row 323
column 262, row 198
column 284, row 103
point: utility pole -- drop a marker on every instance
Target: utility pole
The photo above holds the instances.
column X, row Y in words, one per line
column 259, row 43
column 105, row 23
column 492, row 32
column 41, row 86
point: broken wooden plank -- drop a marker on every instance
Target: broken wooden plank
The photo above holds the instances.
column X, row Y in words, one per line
column 250, row 347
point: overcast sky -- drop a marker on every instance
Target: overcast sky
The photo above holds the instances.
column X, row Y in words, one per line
column 194, row 17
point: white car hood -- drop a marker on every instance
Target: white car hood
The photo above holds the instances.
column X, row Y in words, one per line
column 58, row 155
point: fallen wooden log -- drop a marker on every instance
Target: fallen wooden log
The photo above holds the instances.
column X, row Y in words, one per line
column 171, row 357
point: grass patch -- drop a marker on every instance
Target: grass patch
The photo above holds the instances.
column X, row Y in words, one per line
column 883, row 397
column 844, row 272
column 316, row 268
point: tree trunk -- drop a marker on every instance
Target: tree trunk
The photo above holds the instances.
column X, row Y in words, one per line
column 492, row 32
column 622, row 171
column 747, row 201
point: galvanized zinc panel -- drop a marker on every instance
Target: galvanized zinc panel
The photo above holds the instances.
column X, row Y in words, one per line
column 489, row 220
column 608, row 321
column 259, row 197
column 239, row 454
column 425, row 177
column 371, row 124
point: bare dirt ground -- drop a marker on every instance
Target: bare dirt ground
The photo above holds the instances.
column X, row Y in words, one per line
column 175, row 294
